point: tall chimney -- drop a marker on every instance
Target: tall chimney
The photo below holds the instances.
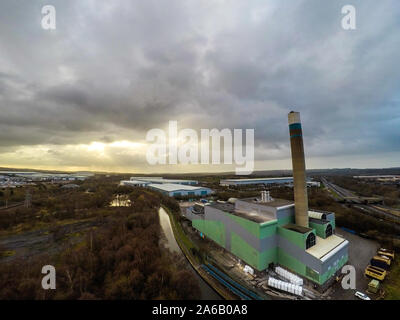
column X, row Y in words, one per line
column 299, row 169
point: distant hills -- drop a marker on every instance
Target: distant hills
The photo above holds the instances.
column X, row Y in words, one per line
column 261, row 173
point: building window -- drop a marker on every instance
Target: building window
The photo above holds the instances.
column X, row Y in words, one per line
column 328, row 231
column 310, row 240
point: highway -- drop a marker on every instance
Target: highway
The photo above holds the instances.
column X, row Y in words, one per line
column 366, row 208
column 377, row 212
column 341, row 192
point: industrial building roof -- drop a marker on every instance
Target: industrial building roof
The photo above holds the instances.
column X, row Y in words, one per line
column 322, row 246
column 297, row 228
column 170, row 187
column 276, row 203
column 164, row 181
column 135, row 182
column 259, row 179
column 224, row 206
column 318, row 221
column 254, row 216
column 249, row 215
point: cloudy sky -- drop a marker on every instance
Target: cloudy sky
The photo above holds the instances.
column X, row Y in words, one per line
column 83, row 96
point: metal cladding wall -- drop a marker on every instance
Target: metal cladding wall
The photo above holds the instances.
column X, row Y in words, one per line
column 182, row 192
column 309, row 266
column 214, row 230
column 300, row 261
column 320, row 229
column 252, row 242
column 285, row 215
column 259, row 244
column 331, row 217
column 198, row 192
column 299, row 169
column 299, row 239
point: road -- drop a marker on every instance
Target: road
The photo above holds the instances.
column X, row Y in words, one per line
column 366, row 208
column 341, row 192
column 380, row 214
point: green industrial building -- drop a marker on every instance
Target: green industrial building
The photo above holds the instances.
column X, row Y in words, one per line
column 264, row 232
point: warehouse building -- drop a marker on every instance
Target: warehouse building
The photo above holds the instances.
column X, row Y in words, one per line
column 169, row 187
column 161, row 180
column 134, row 183
column 177, row 190
column 264, row 181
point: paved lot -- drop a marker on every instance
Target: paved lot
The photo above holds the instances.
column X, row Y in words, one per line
column 360, row 253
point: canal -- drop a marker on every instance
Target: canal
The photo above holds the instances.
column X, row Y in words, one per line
column 207, row 293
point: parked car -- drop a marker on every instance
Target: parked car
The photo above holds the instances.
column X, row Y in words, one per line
column 362, row 296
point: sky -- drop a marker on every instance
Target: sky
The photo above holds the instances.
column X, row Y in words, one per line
column 85, row 95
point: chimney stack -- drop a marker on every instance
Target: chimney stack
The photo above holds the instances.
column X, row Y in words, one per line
column 299, row 169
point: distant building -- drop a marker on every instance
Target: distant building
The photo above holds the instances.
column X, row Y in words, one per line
column 381, row 178
column 161, row 180
column 177, row 190
column 239, row 182
column 42, row 176
column 265, row 181
column 134, row 183
column 169, row 187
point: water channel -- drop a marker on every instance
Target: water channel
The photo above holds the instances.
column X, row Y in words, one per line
column 207, row 293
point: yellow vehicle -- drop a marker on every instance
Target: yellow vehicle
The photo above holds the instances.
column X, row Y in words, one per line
column 381, row 262
column 386, row 253
column 375, row 273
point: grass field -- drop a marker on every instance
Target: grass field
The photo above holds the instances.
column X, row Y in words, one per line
column 392, row 283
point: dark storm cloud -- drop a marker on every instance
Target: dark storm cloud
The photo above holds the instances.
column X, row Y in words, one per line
column 115, row 69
